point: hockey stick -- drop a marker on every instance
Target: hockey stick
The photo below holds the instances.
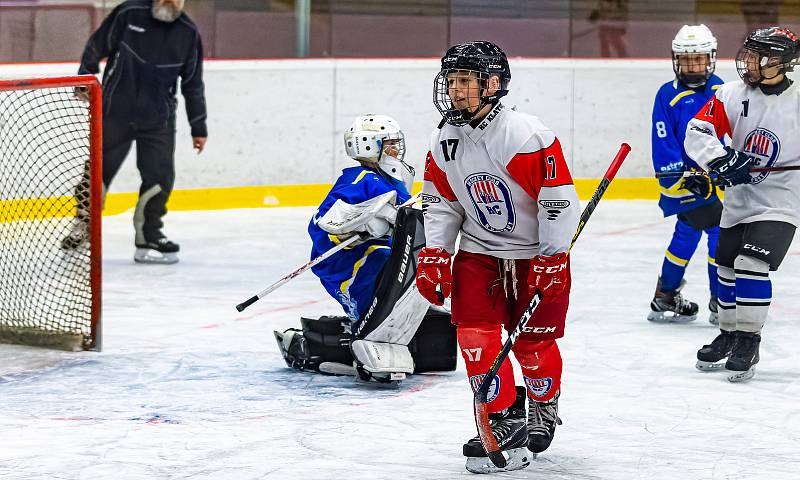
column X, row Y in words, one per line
column 311, row 263
column 695, row 173
column 488, row 439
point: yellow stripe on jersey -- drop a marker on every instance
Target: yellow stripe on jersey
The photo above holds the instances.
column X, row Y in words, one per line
column 715, row 87
column 712, row 260
column 676, row 190
column 360, row 177
column 679, row 96
column 677, row 261
column 345, row 286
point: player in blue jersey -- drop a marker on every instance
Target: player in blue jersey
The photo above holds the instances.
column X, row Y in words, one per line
column 379, row 338
column 693, row 199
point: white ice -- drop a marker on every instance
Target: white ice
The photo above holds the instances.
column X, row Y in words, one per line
column 186, row 387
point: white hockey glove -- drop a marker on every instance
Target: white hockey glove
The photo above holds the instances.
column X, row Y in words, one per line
column 375, row 216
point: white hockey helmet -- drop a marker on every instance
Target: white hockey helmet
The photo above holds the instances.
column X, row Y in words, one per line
column 378, row 140
column 694, row 40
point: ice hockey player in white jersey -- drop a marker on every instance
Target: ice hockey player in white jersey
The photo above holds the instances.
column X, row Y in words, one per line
column 750, row 124
column 498, row 178
column 373, row 279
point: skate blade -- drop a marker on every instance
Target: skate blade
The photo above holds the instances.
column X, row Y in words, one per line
column 709, row 366
column 713, row 319
column 739, row 377
column 664, row 317
column 148, row 255
column 517, row 458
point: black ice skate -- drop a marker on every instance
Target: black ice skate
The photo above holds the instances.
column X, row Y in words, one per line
column 79, row 233
column 671, row 307
column 710, row 357
column 713, row 308
column 744, row 357
column 542, row 421
column 509, row 428
column 158, row 251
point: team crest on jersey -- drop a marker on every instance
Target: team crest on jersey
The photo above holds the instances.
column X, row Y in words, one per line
column 494, row 388
column 764, row 146
column 491, row 198
column 539, row 387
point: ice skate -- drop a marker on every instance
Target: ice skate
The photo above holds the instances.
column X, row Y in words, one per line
column 78, row 235
column 713, row 308
column 161, row 251
column 542, row 422
column 510, row 430
column 744, row 357
column 671, row 307
column 710, row 357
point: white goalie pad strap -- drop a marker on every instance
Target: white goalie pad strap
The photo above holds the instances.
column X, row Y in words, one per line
column 383, row 357
column 402, row 323
column 374, row 216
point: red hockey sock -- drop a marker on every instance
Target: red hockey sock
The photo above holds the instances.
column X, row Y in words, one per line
column 541, row 368
column 479, row 347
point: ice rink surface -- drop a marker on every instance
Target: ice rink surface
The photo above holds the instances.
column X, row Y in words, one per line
column 187, row 388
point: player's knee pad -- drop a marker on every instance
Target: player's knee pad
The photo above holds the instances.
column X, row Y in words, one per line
column 744, row 263
column 541, row 368
column 480, row 344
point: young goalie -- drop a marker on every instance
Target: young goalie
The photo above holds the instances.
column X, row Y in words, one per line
column 372, row 279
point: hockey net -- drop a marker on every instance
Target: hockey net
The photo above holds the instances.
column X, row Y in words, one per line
column 50, row 207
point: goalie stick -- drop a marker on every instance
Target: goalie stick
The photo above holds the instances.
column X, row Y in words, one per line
column 488, row 439
column 311, row 263
column 694, row 173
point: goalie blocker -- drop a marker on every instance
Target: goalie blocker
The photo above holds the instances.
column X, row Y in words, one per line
column 400, row 333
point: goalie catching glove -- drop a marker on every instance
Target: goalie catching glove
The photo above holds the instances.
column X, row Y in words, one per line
column 549, row 274
column 372, row 218
column 434, row 278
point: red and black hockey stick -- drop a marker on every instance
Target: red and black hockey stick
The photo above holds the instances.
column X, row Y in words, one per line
column 488, row 439
column 694, row 173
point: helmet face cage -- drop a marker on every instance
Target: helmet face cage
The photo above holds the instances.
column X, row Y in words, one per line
column 690, row 71
column 441, row 95
column 767, row 48
column 366, row 138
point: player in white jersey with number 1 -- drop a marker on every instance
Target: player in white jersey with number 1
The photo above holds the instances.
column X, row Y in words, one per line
column 751, row 124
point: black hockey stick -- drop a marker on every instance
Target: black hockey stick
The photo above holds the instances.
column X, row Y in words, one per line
column 488, row 439
column 693, row 173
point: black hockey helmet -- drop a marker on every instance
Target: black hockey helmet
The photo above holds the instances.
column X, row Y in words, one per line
column 765, row 48
column 485, row 59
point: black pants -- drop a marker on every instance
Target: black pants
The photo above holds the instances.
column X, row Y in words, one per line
column 767, row 241
column 155, row 159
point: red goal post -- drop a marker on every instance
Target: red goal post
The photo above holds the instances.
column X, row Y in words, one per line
column 50, row 212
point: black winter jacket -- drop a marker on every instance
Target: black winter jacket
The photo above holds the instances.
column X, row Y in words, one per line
column 145, row 58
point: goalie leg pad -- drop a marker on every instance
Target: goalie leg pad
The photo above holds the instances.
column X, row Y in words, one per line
column 383, row 359
column 434, row 348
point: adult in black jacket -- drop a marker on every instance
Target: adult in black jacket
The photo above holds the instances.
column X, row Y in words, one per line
column 148, row 44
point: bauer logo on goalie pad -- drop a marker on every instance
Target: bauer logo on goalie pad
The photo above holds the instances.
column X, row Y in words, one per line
column 492, row 201
column 494, row 388
column 764, row 147
column 539, row 387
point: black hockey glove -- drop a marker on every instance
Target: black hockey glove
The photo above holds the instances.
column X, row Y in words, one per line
column 700, row 185
column 733, row 168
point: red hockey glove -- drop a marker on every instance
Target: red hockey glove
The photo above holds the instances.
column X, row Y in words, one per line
column 549, row 274
column 433, row 270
